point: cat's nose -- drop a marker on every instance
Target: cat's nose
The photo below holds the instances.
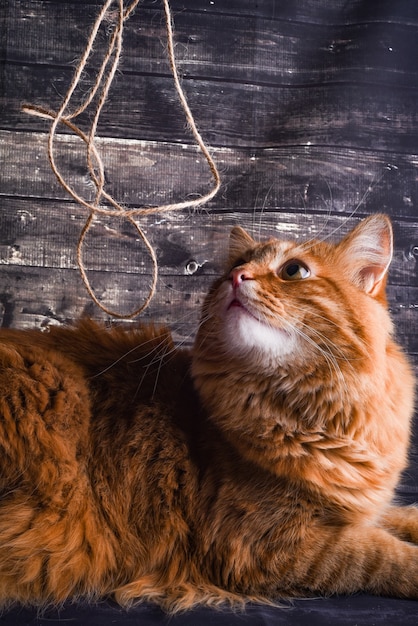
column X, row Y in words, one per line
column 239, row 274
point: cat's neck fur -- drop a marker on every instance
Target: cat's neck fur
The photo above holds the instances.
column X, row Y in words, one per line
column 298, row 397
column 297, row 420
column 248, row 403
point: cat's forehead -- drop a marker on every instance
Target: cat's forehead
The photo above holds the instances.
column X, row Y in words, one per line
column 275, row 252
column 272, row 250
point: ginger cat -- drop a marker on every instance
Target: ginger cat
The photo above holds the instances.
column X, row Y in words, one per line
column 261, row 464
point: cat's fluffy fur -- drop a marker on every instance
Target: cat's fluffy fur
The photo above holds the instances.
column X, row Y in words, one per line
column 262, row 464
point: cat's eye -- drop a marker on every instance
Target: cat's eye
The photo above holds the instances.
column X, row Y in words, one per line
column 238, row 263
column 294, row 270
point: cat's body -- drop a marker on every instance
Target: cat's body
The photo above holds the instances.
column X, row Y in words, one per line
column 261, row 464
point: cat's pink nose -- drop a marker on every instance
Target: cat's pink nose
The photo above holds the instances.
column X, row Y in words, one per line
column 239, row 274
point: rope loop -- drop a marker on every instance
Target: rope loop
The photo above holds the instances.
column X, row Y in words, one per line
column 99, row 92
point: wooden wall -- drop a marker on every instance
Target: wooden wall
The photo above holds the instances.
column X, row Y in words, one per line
column 310, row 110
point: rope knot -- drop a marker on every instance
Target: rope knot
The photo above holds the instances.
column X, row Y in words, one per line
column 104, row 203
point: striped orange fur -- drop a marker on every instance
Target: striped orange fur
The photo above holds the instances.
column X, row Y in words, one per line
column 259, row 465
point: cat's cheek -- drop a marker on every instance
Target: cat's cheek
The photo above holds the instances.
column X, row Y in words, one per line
column 243, row 333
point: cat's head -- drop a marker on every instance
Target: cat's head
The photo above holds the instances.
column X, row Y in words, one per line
column 287, row 304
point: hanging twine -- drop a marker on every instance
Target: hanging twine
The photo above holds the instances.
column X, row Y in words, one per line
column 95, row 165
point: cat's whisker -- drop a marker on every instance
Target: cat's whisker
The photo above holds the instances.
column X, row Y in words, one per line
column 277, row 440
column 338, row 354
column 326, row 352
column 329, row 357
column 116, row 361
column 330, row 207
column 329, row 350
column 160, row 356
column 254, row 211
column 307, row 245
column 262, row 209
column 141, row 344
column 157, row 376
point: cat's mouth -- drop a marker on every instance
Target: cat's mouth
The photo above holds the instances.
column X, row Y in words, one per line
column 245, row 329
column 235, row 303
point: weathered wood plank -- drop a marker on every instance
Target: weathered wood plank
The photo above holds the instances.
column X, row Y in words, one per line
column 317, row 91
column 147, row 109
column 45, row 234
column 311, row 11
column 314, row 12
column 299, row 179
column 37, row 297
column 266, row 81
column 264, row 48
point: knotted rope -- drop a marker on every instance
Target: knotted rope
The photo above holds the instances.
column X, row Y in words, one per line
column 95, row 166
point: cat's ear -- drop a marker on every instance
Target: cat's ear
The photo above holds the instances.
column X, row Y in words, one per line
column 366, row 253
column 239, row 242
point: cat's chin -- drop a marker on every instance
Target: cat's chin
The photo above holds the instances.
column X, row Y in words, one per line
column 243, row 333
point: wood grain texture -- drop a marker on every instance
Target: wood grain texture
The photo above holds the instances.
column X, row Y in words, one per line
column 310, row 109
column 310, row 112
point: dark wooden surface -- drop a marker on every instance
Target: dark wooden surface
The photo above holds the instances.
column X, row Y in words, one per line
column 310, row 110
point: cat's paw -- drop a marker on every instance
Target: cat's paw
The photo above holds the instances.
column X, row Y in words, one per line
column 402, row 521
